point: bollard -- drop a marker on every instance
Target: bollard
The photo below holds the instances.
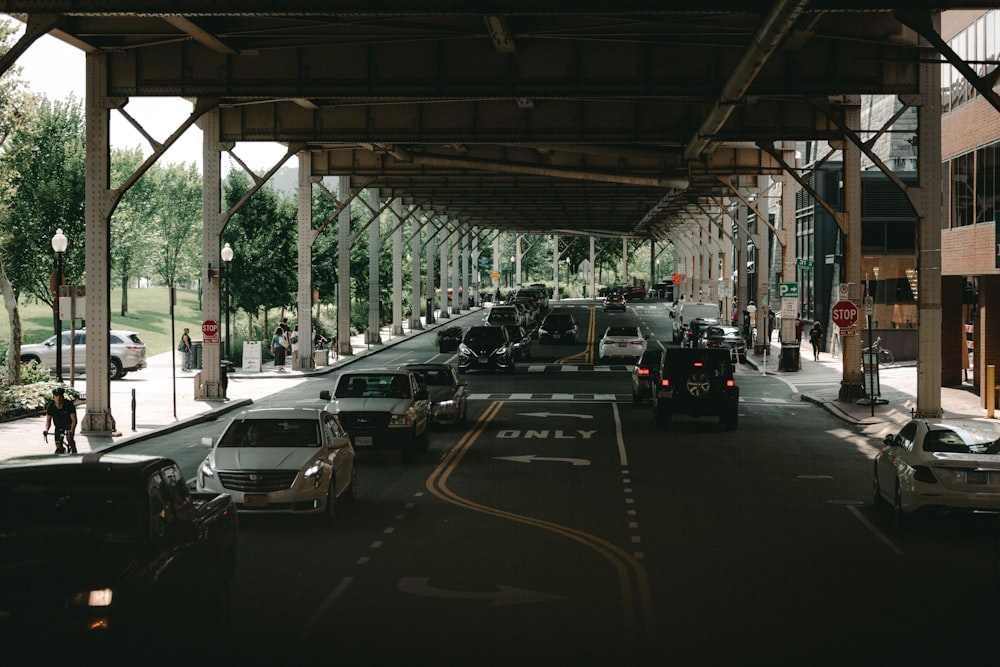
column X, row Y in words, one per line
column 991, row 396
column 133, row 410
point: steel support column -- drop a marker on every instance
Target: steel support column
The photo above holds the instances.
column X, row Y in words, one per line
column 306, row 238
column 852, row 385
column 397, row 268
column 443, row 277
column 417, row 228
column 209, row 386
column 374, row 337
column 98, row 207
column 344, row 268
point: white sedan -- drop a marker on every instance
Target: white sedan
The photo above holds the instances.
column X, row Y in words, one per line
column 282, row 460
column 622, row 342
column 953, row 465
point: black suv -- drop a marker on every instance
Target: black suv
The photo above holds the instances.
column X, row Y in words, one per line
column 697, row 382
column 557, row 328
column 485, row 348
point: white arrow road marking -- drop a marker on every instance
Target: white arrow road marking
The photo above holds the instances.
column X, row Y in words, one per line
column 545, row 415
column 503, row 596
column 530, row 458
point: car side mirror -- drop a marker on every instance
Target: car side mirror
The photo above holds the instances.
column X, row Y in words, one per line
column 890, row 440
column 325, row 395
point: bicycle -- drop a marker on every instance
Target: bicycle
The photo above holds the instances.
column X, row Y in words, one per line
column 884, row 355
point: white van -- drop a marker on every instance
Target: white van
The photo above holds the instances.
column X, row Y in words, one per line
column 684, row 311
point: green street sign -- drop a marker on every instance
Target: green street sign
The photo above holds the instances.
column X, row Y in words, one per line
column 805, row 263
column 788, row 290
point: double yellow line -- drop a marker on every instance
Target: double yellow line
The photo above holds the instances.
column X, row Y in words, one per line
column 636, row 599
column 587, row 355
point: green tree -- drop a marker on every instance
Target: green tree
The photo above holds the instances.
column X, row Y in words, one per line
column 262, row 233
column 176, row 224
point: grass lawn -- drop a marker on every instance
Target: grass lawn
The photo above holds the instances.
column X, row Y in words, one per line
column 148, row 313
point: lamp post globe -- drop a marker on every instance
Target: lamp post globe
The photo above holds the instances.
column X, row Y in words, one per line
column 59, row 245
column 227, row 257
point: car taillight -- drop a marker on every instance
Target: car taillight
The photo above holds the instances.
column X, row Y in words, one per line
column 730, row 383
column 133, row 348
column 924, row 474
column 698, row 364
column 665, row 382
column 642, row 371
column 636, row 342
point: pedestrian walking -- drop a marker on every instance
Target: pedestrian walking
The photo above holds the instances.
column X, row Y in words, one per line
column 61, row 411
column 816, row 337
column 184, row 347
column 279, row 347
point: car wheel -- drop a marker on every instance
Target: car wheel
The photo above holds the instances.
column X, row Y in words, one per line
column 29, row 358
column 115, row 369
column 898, row 516
column 698, row 385
column 877, row 499
column 351, row 492
column 730, row 420
column 330, row 511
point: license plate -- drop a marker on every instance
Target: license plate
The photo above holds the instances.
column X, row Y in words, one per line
column 363, row 441
column 977, row 477
column 622, row 344
column 483, row 361
column 255, row 499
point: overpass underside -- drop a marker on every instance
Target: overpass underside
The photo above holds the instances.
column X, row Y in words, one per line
column 570, row 118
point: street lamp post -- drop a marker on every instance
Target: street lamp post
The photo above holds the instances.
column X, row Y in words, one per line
column 227, row 257
column 59, row 243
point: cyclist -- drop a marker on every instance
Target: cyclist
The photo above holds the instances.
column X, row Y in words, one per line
column 62, row 412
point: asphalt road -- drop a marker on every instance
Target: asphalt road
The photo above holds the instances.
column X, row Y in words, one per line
column 560, row 527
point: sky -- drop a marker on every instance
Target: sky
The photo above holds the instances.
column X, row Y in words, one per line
column 56, row 69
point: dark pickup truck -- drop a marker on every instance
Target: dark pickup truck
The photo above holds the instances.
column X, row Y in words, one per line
column 109, row 550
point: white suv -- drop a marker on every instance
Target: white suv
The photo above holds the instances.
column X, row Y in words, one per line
column 127, row 353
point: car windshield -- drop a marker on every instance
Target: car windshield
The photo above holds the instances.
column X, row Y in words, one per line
column 962, row 441
column 373, row 385
column 272, row 433
column 433, row 376
column 63, row 511
column 485, row 336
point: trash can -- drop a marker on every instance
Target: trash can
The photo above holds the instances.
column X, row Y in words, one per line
column 196, row 354
column 224, row 369
column 789, row 357
column 430, row 311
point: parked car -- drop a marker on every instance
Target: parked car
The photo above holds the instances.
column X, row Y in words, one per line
column 127, row 353
column 521, row 340
column 725, row 338
column 614, row 302
column 501, row 315
column 646, row 376
column 696, row 329
column 557, row 327
column 383, row 408
column 632, row 293
column 698, row 382
column 942, row 464
column 543, row 295
column 449, row 396
column 282, row 460
column 530, row 304
column 622, row 341
column 539, row 296
column 106, row 551
column 525, row 310
column 486, row 348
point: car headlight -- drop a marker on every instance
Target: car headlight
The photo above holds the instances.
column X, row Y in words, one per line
column 449, row 403
column 543, row 332
column 100, row 597
column 500, row 351
column 315, row 470
column 465, row 351
column 207, row 468
column 401, row 420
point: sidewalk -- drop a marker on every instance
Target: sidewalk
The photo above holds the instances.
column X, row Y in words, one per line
column 164, row 396
column 819, row 382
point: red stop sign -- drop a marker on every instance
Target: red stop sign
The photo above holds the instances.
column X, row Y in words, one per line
column 845, row 314
column 210, row 328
